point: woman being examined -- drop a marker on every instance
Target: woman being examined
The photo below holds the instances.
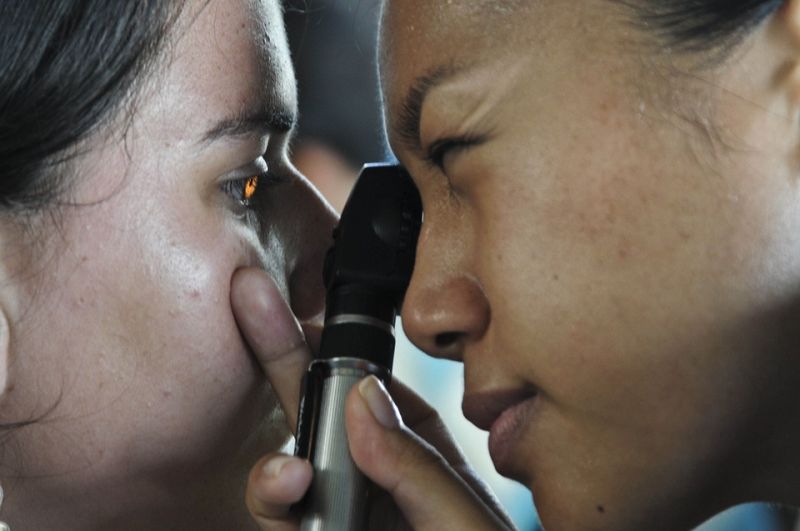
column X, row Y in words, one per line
column 143, row 173
column 611, row 246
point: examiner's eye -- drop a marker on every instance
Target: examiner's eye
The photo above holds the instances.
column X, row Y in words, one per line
column 437, row 151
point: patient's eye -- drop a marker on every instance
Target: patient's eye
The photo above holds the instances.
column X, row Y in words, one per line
column 243, row 189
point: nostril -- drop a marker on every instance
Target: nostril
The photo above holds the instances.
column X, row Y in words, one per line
column 446, row 339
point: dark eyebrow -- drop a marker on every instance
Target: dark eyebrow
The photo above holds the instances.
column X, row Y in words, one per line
column 410, row 111
column 252, row 122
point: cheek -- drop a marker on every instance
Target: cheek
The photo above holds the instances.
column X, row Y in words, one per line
column 181, row 291
column 623, row 286
column 142, row 325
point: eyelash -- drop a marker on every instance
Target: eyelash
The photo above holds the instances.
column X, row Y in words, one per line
column 437, row 151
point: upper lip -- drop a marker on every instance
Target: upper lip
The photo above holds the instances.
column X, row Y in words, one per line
column 483, row 408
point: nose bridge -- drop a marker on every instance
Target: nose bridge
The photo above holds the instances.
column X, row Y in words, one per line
column 445, row 306
column 437, row 253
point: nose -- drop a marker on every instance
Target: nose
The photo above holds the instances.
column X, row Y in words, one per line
column 445, row 307
column 314, row 221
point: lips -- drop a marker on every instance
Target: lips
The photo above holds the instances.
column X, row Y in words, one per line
column 505, row 414
column 483, row 409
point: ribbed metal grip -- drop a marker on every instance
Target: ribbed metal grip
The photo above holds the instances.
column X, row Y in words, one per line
column 338, row 496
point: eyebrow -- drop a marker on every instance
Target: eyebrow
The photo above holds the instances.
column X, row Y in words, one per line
column 252, row 122
column 410, row 111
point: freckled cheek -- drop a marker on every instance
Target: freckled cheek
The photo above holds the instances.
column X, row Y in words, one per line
column 549, row 311
column 190, row 289
column 201, row 353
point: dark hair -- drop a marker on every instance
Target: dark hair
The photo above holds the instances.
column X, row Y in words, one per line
column 66, row 66
column 703, row 25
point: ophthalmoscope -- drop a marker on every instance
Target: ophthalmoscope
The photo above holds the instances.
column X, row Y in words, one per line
column 366, row 273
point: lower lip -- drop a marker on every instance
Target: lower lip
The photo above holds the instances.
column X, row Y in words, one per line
column 506, row 432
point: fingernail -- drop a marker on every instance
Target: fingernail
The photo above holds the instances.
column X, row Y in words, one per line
column 273, row 467
column 379, row 403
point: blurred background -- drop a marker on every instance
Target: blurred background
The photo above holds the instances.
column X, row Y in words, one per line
column 334, row 50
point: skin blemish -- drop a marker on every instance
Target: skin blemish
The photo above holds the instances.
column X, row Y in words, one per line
column 601, row 509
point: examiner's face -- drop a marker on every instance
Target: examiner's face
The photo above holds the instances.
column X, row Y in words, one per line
column 125, row 340
column 592, row 251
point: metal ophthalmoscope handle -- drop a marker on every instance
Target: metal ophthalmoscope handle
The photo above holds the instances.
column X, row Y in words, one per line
column 366, row 274
column 339, row 494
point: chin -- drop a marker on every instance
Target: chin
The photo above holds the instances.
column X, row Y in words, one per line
column 574, row 515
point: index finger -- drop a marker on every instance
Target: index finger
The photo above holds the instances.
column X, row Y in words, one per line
column 273, row 333
column 426, row 422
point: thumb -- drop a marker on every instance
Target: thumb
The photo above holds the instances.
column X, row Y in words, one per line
column 430, row 494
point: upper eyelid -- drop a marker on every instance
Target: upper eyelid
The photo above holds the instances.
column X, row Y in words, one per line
column 270, row 176
column 248, row 169
column 435, row 152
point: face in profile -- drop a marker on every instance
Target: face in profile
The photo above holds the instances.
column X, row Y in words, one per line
column 611, row 247
column 151, row 407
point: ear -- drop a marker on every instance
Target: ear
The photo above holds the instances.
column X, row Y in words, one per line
column 790, row 20
column 5, row 351
column 13, row 262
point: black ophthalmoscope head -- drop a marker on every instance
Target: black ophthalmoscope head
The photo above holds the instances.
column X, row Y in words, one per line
column 368, row 268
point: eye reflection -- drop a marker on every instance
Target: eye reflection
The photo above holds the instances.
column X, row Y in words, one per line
column 250, row 188
column 242, row 190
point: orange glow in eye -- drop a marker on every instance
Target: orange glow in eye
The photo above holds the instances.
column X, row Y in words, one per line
column 250, row 187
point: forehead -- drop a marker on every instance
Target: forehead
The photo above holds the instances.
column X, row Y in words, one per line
column 420, row 38
column 419, row 32
column 225, row 56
